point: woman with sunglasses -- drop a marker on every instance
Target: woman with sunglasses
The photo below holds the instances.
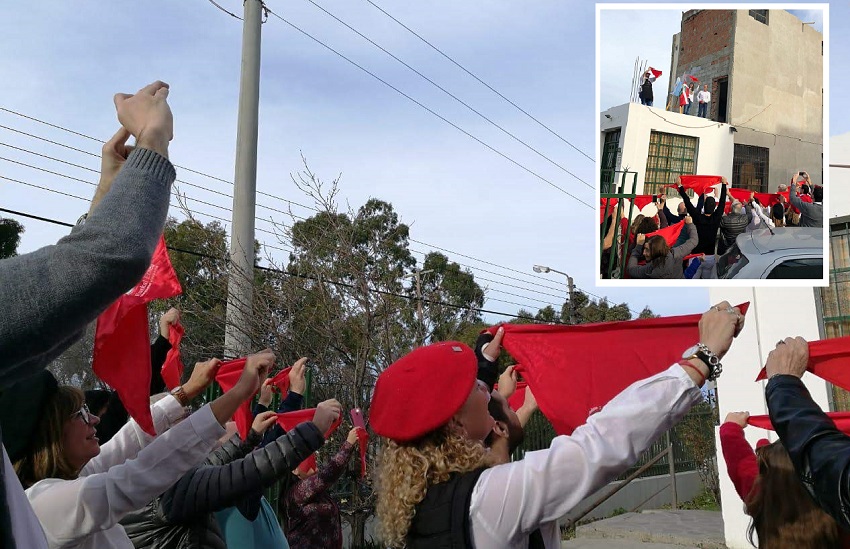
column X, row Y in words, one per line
column 78, row 490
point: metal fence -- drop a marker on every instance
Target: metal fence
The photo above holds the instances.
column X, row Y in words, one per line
column 613, row 263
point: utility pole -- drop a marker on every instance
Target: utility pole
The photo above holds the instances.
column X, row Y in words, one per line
column 417, row 276
column 240, row 290
column 570, row 289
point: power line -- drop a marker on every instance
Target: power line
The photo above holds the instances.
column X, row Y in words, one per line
column 488, row 86
column 286, row 273
column 450, row 94
column 230, row 13
column 277, row 198
column 441, row 117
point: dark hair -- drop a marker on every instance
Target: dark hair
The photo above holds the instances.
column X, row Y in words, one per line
column 817, row 194
column 647, row 225
column 709, row 205
column 658, row 250
column 806, row 189
column 777, row 212
column 784, row 514
column 46, row 457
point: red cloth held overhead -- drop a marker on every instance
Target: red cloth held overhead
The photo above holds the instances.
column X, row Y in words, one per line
column 172, row 368
column 122, row 356
column 699, row 183
column 642, row 200
column 828, row 359
column 574, row 370
column 670, row 234
column 289, row 420
column 607, row 206
column 228, row 374
column 841, row 420
column 281, row 380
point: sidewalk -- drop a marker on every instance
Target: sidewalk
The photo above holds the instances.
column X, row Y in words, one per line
column 652, row 530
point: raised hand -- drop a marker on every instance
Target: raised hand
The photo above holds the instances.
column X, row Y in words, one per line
column 327, row 412
column 147, row 116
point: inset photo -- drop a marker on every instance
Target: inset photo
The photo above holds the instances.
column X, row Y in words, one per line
column 711, row 144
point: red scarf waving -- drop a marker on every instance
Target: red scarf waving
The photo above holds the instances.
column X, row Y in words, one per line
column 122, row 357
column 841, row 420
column 228, row 374
column 172, row 368
column 575, row 370
column 828, row 359
column 289, row 420
column 670, row 234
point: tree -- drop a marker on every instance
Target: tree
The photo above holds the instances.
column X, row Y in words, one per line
column 10, row 237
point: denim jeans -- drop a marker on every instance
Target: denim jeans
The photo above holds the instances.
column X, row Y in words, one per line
column 687, row 107
column 701, row 112
column 647, row 102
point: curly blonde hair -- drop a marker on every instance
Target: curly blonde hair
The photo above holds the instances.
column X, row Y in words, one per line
column 406, row 470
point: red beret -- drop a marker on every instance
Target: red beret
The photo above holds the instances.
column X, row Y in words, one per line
column 422, row 390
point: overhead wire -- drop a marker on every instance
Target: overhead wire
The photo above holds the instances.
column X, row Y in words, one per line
column 94, row 139
column 488, row 86
column 296, row 275
column 450, row 94
column 441, row 117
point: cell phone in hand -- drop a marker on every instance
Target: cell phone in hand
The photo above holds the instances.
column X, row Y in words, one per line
column 357, row 418
column 802, row 173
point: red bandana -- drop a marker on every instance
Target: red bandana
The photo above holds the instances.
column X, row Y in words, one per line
column 699, row 183
column 122, row 357
column 289, row 420
column 575, row 370
column 841, row 420
column 227, row 376
column 828, row 359
column 670, row 234
column 172, row 368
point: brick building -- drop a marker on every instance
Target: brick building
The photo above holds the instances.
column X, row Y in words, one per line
column 764, row 69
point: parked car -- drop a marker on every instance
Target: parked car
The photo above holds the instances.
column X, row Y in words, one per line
column 780, row 253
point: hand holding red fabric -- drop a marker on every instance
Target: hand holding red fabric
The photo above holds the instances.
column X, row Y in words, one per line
column 290, row 420
column 828, row 359
column 172, row 368
column 670, row 234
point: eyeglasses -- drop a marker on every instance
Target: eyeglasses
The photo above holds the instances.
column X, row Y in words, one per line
column 84, row 414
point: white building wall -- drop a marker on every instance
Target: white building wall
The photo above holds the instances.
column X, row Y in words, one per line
column 767, row 322
column 838, row 187
column 715, row 145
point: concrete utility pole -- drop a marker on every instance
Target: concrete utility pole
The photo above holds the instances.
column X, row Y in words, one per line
column 417, row 276
column 240, row 290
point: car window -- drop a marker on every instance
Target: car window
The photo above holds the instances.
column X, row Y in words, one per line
column 798, row 268
column 731, row 262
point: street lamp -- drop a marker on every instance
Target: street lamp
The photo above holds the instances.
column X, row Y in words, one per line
column 570, row 287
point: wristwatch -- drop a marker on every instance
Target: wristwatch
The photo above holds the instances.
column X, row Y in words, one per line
column 703, row 353
column 180, row 395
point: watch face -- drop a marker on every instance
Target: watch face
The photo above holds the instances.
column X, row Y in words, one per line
column 690, row 352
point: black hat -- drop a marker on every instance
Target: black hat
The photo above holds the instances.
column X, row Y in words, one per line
column 21, row 407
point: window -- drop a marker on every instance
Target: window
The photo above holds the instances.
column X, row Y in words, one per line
column 730, row 263
column 750, row 168
column 610, row 150
column 669, row 156
column 759, row 15
column 797, row 268
column 835, row 299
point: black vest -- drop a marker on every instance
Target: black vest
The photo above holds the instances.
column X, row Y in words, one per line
column 441, row 520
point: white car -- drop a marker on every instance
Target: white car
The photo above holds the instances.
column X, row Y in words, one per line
column 780, row 253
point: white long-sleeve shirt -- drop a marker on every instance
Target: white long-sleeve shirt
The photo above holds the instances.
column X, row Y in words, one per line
column 84, row 513
column 512, row 500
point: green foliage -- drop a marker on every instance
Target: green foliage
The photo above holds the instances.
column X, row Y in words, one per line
column 10, row 237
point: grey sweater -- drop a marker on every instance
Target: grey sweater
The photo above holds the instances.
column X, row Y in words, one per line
column 811, row 215
column 49, row 296
column 672, row 266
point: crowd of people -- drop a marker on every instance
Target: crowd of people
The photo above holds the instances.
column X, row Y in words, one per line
column 648, row 246
column 444, row 476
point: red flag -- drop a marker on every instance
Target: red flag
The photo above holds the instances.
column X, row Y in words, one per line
column 642, row 200
column 607, row 206
column 121, row 343
column 654, row 74
column 281, row 380
column 289, row 420
column 172, row 368
column 228, row 374
column 691, row 77
column 699, row 183
column 739, row 194
column 574, row 370
column 670, row 234
column 841, row 420
column 828, row 359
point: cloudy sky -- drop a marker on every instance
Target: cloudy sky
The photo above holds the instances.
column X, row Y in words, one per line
column 63, row 61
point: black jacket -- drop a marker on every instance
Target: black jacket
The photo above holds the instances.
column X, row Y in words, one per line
column 182, row 518
column 706, row 225
column 819, row 451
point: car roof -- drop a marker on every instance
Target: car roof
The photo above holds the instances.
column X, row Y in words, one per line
column 762, row 241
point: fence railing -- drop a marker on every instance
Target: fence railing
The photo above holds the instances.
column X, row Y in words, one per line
column 614, row 261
